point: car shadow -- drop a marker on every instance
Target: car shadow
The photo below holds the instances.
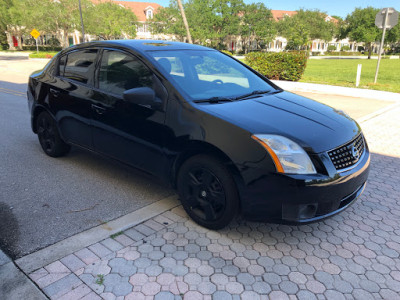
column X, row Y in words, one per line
column 13, row 57
column 13, row 88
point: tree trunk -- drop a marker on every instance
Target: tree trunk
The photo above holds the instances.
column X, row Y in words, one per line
column 66, row 40
column 185, row 22
column 19, row 39
column 10, row 41
column 369, row 50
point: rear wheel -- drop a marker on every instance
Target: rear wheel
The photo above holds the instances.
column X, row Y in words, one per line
column 49, row 137
column 208, row 192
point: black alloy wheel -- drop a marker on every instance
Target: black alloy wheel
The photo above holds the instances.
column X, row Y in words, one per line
column 49, row 138
column 208, row 192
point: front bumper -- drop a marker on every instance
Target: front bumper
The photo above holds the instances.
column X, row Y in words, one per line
column 300, row 199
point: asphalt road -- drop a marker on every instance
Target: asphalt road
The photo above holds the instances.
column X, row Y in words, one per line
column 44, row 200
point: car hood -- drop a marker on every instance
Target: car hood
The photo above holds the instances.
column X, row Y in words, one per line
column 314, row 126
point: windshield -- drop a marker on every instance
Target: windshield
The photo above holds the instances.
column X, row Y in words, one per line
column 209, row 74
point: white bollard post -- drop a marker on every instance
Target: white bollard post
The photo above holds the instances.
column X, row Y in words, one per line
column 358, row 75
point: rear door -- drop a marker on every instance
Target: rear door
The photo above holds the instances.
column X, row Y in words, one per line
column 70, row 96
column 126, row 131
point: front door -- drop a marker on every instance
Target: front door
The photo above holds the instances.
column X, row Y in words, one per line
column 126, row 131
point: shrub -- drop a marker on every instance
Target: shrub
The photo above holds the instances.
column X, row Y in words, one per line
column 345, row 48
column 29, row 42
column 227, row 52
column 54, row 42
column 291, row 46
column 280, row 66
column 331, row 48
column 4, row 47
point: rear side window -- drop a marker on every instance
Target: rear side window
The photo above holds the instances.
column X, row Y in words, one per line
column 61, row 65
column 80, row 65
column 120, row 72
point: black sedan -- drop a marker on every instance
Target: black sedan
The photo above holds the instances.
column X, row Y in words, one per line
column 224, row 136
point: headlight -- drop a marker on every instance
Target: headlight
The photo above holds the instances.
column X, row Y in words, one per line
column 288, row 156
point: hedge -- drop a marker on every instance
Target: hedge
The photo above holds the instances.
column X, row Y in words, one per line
column 279, row 66
column 344, row 53
column 42, row 48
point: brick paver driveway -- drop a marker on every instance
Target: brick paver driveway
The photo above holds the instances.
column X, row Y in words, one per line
column 354, row 255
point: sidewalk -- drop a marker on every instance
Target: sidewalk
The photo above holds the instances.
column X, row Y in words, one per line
column 14, row 284
column 354, row 255
column 293, row 86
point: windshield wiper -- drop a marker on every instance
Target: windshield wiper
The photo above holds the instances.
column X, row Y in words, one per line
column 256, row 92
column 214, row 100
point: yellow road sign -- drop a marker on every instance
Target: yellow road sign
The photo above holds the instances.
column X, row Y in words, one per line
column 35, row 33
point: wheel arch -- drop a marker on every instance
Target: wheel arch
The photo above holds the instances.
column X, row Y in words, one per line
column 36, row 112
column 200, row 147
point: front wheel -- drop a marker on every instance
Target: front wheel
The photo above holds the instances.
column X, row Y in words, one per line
column 208, row 192
column 48, row 135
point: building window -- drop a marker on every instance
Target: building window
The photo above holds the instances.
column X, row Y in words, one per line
column 149, row 14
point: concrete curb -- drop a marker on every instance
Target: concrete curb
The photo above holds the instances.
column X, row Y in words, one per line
column 337, row 90
column 16, row 53
column 40, row 59
column 41, row 258
column 377, row 113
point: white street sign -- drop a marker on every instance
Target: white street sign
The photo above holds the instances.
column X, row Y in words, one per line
column 392, row 18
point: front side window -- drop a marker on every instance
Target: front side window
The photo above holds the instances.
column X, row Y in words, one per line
column 80, row 65
column 120, row 72
column 203, row 74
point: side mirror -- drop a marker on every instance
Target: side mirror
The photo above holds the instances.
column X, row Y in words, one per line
column 142, row 96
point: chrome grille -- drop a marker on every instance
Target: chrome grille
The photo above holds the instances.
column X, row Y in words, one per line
column 348, row 155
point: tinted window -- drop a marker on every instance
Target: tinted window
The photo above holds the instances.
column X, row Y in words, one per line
column 61, row 65
column 80, row 65
column 120, row 72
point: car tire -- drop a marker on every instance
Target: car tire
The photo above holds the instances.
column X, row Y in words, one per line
column 49, row 137
column 208, row 192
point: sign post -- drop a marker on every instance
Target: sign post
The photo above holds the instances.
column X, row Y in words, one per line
column 387, row 18
column 35, row 34
column 358, row 75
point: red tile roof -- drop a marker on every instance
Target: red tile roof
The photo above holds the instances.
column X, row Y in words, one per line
column 138, row 8
column 280, row 14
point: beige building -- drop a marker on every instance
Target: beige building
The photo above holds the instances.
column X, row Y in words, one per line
column 236, row 44
column 145, row 11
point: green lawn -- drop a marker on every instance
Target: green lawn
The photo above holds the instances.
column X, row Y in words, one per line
column 43, row 54
column 343, row 72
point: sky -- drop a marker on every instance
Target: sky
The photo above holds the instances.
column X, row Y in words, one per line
column 339, row 8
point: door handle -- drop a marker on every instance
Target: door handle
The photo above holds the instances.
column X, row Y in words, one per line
column 54, row 92
column 98, row 109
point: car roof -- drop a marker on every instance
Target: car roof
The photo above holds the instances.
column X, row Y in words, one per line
column 142, row 45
